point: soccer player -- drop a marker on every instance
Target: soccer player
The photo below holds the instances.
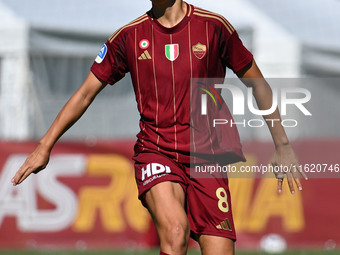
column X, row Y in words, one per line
column 163, row 50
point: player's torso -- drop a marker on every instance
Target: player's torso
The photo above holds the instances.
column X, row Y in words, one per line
column 162, row 63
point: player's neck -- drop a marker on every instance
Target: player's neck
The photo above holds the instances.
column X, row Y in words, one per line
column 169, row 12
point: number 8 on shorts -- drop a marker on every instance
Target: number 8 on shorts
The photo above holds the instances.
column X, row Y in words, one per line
column 222, row 199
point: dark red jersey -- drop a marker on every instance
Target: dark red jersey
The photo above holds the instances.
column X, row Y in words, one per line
column 162, row 62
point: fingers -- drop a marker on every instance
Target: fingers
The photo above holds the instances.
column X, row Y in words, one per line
column 291, row 178
column 20, row 175
column 280, row 177
column 296, row 168
column 24, row 171
column 302, row 173
column 279, row 185
column 290, row 183
column 286, row 162
column 34, row 163
column 23, row 177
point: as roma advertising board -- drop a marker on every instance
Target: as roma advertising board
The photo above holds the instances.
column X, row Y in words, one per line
column 87, row 197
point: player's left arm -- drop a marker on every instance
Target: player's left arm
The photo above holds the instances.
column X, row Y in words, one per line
column 284, row 154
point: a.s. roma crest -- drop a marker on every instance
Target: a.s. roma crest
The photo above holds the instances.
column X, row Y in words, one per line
column 199, row 50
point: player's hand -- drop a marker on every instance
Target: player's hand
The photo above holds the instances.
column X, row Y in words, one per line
column 35, row 162
column 286, row 160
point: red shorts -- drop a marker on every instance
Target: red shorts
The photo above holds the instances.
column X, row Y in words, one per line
column 208, row 204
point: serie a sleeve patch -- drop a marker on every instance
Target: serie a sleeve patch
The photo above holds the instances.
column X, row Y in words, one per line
column 101, row 54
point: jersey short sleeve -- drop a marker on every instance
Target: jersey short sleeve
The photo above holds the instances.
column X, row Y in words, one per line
column 111, row 65
column 234, row 54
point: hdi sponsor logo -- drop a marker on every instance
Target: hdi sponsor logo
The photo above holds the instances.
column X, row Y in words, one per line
column 154, row 169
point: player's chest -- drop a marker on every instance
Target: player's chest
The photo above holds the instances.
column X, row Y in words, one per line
column 185, row 53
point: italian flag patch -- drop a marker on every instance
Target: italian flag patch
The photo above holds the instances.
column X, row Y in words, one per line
column 172, row 51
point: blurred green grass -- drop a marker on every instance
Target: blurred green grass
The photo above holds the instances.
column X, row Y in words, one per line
column 153, row 252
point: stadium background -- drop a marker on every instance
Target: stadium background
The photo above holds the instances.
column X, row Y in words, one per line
column 86, row 199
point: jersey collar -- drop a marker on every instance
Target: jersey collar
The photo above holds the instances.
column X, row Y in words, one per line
column 176, row 28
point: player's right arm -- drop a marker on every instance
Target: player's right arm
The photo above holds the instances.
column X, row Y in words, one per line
column 68, row 115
